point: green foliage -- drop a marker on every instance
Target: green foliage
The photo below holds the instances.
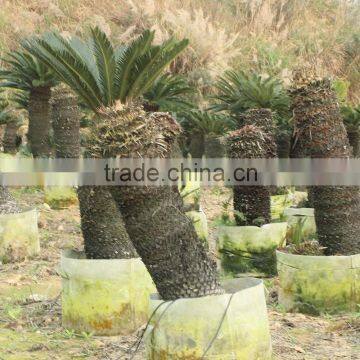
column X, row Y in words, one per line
column 20, row 99
column 296, row 235
column 351, row 116
column 25, row 72
column 227, row 217
column 341, row 87
column 4, row 103
column 238, row 92
column 7, row 111
column 100, row 73
column 205, row 122
column 169, row 93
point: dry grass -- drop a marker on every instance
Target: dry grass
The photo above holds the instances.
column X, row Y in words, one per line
column 270, row 36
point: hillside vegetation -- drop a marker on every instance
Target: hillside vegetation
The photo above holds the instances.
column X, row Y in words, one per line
column 271, row 37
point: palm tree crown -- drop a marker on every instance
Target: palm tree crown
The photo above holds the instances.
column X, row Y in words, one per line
column 25, row 72
column 206, row 123
column 168, row 93
column 238, row 92
column 100, row 73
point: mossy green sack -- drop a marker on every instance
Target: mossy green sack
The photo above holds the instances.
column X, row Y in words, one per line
column 250, row 248
column 104, row 297
column 19, row 236
column 230, row 326
column 317, row 284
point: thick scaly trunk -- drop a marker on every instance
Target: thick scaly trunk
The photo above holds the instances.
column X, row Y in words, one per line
column 10, row 141
column 167, row 242
column 320, row 133
column 2, row 133
column 39, row 121
column 103, row 229
column 196, row 146
column 8, row 204
column 337, row 212
column 213, row 147
column 163, row 235
column 283, row 141
column 253, row 202
column 105, row 236
column 66, row 124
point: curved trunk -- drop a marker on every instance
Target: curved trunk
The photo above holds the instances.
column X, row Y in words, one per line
column 105, row 236
column 354, row 139
column 320, row 133
column 154, row 217
column 167, row 241
column 10, row 140
column 39, row 121
column 103, row 229
column 8, row 204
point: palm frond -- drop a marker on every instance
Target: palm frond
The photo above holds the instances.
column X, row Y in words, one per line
column 206, row 122
column 126, row 60
column 105, row 60
column 169, row 93
column 20, row 99
column 170, row 51
column 71, row 62
column 25, row 72
column 100, row 73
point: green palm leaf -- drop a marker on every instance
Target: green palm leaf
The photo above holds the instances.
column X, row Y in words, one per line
column 105, row 60
column 126, row 60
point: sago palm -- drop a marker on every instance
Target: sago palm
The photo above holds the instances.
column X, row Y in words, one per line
column 26, row 73
column 240, row 91
column 320, row 133
column 100, row 73
column 104, row 77
column 209, row 127
column 254, row 140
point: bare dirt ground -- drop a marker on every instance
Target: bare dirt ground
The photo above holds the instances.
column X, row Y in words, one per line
column 30, row 304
